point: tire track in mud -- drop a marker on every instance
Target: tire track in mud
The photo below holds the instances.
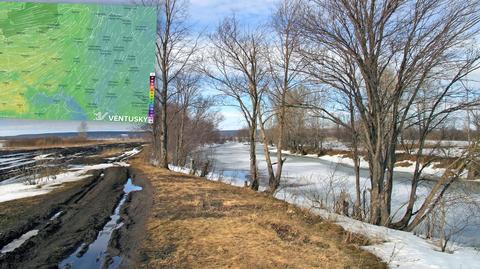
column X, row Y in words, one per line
column 83, row 215
column 126, row 242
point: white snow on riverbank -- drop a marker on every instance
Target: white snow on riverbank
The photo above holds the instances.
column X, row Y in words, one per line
column 430, row 170
column 15, row 189
column 399, row 249
column 304, row 176
column 443, row 149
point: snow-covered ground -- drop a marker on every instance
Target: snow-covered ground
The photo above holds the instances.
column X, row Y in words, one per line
column 16, row 189
column 405, row 250
column 305, row 175
column 127, row 154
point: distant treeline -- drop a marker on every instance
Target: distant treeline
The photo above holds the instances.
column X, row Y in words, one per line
column 45, row 141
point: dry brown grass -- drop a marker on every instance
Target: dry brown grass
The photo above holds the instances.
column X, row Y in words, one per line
column 202, row 224
column 439, row 162
column 45, row 141
column 403, row 164
column 111, row 152
column 56, row 142
column 402, row 158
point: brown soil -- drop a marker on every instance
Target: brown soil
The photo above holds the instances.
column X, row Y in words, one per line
column 195, row 223
column 86, row 210
column 19, row 216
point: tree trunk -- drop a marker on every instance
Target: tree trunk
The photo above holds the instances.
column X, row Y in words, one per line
column 164, row 136
column 271, row 175
column 403, row 223
column 376, row 197
column 156, row 133
column 253, row 159
column 357, row 208
column 280, row 159
column 388, row 187
column 436, row 194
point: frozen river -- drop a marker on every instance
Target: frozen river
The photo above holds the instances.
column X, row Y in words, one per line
column 306, row 177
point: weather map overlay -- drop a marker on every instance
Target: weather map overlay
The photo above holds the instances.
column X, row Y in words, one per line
column 76, row 61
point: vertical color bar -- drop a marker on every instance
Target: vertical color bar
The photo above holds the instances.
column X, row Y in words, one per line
column 151, row 102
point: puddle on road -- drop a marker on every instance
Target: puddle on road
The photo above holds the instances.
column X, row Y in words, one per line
column 94, row 255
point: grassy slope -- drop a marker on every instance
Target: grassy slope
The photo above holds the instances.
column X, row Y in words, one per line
column 202, row 224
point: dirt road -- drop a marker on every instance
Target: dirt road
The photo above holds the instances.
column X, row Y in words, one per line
column 44, row 230
column 83, row 215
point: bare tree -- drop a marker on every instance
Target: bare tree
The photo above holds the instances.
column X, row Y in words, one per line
column 188, row 95
column 237, row 69
column 386, row 52
column 175, row 49
column 284, row 62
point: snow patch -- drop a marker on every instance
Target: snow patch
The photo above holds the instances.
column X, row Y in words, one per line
column 405, row 250
column 18, row 242
column 42, row 157
column 126, row 154
column 17, row 190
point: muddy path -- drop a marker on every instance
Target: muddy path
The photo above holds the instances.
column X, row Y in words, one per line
column 82, row 216
column 127, row 241
column 15, row 163
column 17, row 217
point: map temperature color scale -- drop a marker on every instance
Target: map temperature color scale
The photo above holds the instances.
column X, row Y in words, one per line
column 151, row 106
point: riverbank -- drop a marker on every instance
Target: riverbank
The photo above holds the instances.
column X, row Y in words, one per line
column 196, row 223
column 405, row 164
column 306, row 180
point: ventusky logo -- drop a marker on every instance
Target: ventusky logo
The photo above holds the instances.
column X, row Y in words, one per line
column 99, row 116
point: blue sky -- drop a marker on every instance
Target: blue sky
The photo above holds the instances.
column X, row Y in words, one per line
column 206, row 14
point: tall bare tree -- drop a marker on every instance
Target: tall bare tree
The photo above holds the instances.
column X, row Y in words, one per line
column 175, row 48
column 188, row 96
column 396, row 47
column 236, row 67
column 284, row 64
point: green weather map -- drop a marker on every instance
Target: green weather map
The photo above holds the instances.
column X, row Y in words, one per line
column 76, row 61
